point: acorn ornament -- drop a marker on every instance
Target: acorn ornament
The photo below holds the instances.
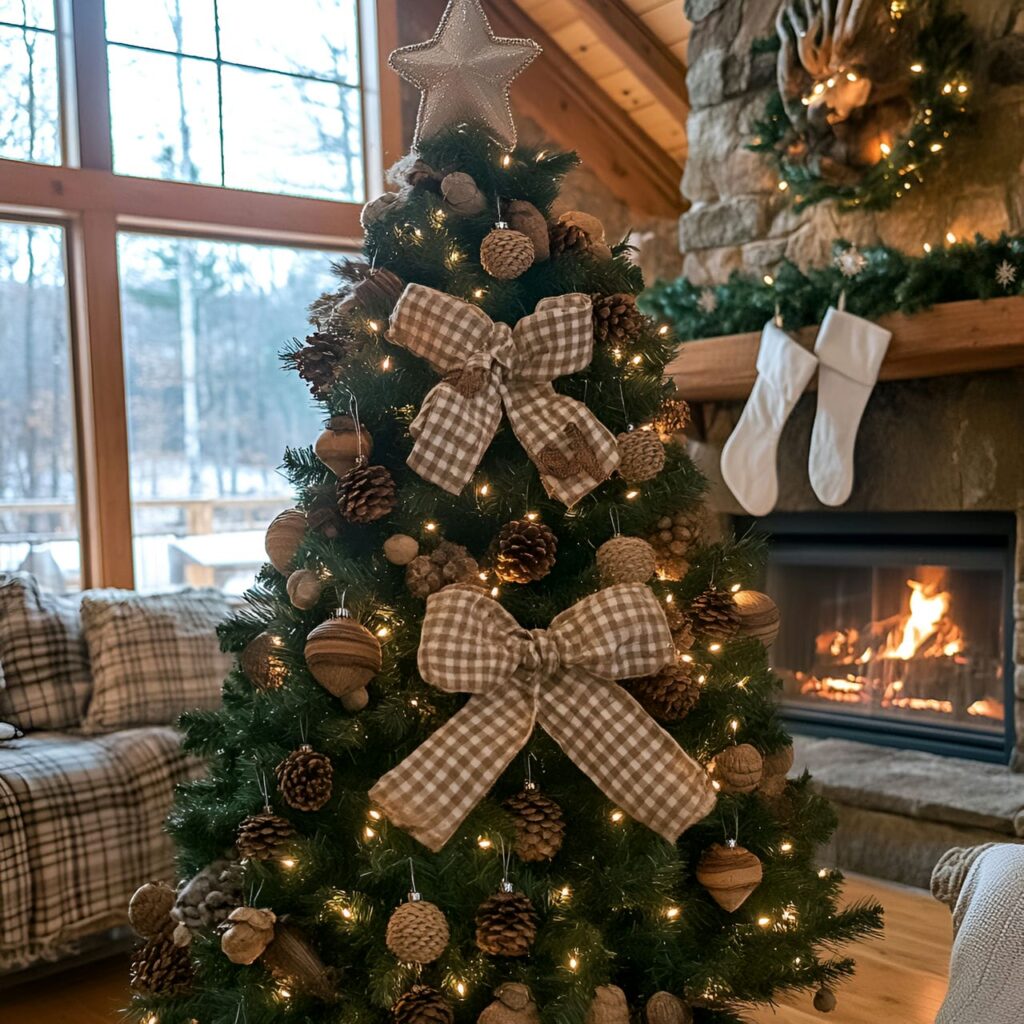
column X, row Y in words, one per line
column 417, row 931
column 504, row 253
column 624, row 559
column 342, row 655
column 284, row 535
column 738, row 769
column 246, row 934
column 641, row 456
column 304, row 588
column 758, row 616
column 305, row 779
column 506, row 923
column 539, row 824
column 342, row 444
column 730, row 873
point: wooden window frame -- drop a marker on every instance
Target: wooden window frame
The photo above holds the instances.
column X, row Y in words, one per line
column 93, row 204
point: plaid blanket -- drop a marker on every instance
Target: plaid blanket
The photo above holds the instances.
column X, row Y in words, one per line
column 81, row 827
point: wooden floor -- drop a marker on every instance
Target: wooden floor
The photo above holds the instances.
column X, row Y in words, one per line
column 900, row 977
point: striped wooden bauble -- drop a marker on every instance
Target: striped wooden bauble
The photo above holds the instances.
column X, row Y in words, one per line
column 343, row 656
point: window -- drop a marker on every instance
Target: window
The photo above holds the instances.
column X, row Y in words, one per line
column 29, row 119
column 38, row 507
column 209, row 409
column 260, row 95
column 175, row 177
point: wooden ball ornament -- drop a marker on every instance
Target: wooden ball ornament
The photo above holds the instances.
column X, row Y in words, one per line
column 730, row 873
column 342, row 444
column 343, row 656
column 401, row 549
column 824, row 1000
column 284, row 535
column 758, row 614
column 261, row 662
column 304, row 588
column 624, row 559
column 665, row 1008
column 738, row 769
column 504, row 253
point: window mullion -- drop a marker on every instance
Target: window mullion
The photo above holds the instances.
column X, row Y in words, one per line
column 91, row 93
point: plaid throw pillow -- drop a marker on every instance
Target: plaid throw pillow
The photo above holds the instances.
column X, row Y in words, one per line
column 44, row 657
column 153, row 656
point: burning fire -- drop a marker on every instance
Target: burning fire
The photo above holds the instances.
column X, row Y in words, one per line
column 927, row 613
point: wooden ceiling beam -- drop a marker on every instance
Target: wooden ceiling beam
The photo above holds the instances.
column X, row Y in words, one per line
column 576, row 113
column 646, row 56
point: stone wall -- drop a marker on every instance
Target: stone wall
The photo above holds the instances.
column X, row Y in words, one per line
column 740, row 220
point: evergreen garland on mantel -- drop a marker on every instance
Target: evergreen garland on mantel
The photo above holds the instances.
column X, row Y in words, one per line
column 887, row 281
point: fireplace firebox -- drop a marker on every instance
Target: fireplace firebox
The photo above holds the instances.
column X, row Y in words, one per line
column 896, row 628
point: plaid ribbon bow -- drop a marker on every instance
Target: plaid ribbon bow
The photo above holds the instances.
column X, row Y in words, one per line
column 488, row 365
column 561, row 678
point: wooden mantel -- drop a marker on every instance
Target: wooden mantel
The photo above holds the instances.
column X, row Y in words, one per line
column 956, row 337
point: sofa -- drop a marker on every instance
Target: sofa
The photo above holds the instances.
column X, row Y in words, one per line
column 91, row 685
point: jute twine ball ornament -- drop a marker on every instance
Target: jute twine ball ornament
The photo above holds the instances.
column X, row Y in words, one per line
column 284, row 535
column 539, row 824
column 758, row 615
column 246, row 934
column 401, row 549
column 263, row 836
column 641, row 456
column 261, row 662
column 625, row 559
column 304, row 588
column 665, row 1008
column 417, row 931
column 422, row 1005
column 524, row 551
column 160, row 968
column 824, row 1000
column 305, row 779
column 504, row 253
column 343, row 444
column 149, row 910
column 506, row 923
column 608, row 1006
column 738, row 769
column 342, row 655
column 730, row 873
column 513, row 1004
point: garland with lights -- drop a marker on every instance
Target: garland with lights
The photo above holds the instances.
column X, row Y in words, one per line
column 900, row 157
column 876, row 280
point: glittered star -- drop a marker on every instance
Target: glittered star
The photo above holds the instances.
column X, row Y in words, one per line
column 851, row 261
column 708, row 301
column 464, row 73
column 1006, row 274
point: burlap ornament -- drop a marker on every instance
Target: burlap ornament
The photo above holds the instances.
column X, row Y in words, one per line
column 417, row 931
column 524, row 217
column 461, row 194
column 246, row 934
column 758, row 616
column 284, row 535
column 377, row 209
column 625, row 559
column 513, row 1004
column 608, row 1006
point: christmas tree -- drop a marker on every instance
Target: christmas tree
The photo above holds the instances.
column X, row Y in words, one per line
column 500, row 742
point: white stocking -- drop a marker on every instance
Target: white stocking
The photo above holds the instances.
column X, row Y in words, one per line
column 850, row 351
column 748, row 458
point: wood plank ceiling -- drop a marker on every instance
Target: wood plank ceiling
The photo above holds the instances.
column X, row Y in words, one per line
column 634, row 51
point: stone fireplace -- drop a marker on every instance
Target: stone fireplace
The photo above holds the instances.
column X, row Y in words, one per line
column 903, row 654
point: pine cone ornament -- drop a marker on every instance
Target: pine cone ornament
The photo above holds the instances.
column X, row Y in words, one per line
column 263, row 836
column 713, row 615
column 305, row 779
column 160, row 968
column 672, row 693
column 322, row 512
column 206, row 899
column 672, row 417
column 673, row 539
column 539, row 824
column 680, row 627
column 505, row 254
column 641, row 455
column 447, row 563
column 579, row 232
column 422, row 1005
column 617, row 320
column 625, row 560
column 506, row 923
column 568, row 238
column 524, row 551
column 366, row 494
column 417, row 931
column 320, row 360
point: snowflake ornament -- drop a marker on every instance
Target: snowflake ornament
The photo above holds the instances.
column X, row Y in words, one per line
column 708, row 301
column 851, row 261
column 1006, row 274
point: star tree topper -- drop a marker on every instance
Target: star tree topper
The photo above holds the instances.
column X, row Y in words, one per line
column 464, row 72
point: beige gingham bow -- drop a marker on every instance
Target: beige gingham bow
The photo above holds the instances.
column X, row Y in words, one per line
column 488, row 365
column 562, row 679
